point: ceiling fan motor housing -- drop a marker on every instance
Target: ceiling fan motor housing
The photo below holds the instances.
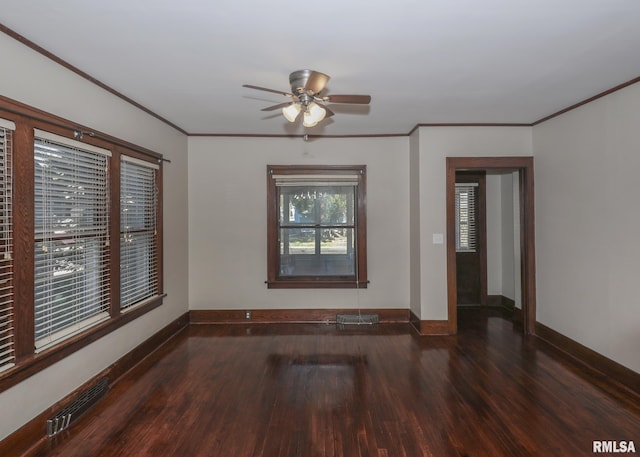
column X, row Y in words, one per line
column 301, row 84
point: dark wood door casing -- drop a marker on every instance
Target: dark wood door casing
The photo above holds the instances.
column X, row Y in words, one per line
column 524, row 166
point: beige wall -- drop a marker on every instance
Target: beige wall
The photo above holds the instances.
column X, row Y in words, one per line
column 435, row 145
column 415, row 298
column 39, row 82
column 227, row 221
column 587, row 220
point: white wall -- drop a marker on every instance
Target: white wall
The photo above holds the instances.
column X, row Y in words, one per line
column 37, row 81
column 587, row 220
column 508, row 235
column 227, row 221
column 437, row 143
column 502, row 234
column 494, row 233
column 414, row 224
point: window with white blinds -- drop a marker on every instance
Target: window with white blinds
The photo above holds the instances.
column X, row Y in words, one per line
column 7, row 349
column 138, row 232
column 466, row 217
column 71, row 237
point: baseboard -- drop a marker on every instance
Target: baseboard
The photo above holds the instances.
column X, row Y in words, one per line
column 613, row 371
column 292, row 316
column 500, row 301
column 33, row 433
column 429, row 327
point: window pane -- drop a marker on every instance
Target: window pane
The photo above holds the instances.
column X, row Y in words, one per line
column 297, row 241
column 138, row 241
column 336, row 205
column 7, row 351
column 310, row 205
column 336, row 241
column 317, row 252
column 69, row 286
column 71, row 240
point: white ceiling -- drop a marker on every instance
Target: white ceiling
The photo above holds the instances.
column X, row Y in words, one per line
column 422, row 61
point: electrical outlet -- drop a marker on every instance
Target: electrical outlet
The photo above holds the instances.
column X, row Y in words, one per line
column 247, row 314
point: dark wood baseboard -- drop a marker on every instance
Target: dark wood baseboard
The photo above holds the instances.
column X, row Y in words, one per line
column 30, row 435
column 429, row 327
column 500, row 301
column 291, row 316
column 612, row 370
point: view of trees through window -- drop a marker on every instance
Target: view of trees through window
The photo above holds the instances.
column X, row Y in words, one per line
column 317, row 226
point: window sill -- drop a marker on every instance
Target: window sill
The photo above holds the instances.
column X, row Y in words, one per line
column 35, row 363
column 316, row 284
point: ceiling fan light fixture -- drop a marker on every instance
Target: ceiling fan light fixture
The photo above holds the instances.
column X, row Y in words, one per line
column 291, row 112
column 313, row 114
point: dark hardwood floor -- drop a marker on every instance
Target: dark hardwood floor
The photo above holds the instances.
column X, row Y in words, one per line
column 315, row 390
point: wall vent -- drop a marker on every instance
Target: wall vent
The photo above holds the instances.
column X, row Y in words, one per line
column 70, row 413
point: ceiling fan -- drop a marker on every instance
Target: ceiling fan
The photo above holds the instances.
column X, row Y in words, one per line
column 306, row 86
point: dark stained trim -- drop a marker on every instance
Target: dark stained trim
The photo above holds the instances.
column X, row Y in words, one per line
column 523, row 164
column 588, row 100
column 28, row 112
column 39, row 49
column 303, row 136
column 429, row 327
column 469, row 124
column 299, row 316
column 34, row 363
column 33, row 432
column 612, row 371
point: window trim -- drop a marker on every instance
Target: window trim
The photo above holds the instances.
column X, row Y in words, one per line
column 359, row 279
column 26, row 119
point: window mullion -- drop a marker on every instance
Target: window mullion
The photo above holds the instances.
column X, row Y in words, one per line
column 23, row 226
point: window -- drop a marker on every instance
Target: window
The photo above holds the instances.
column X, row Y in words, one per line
column 82, row 254
column 466, row 217
column 138, row 231
column 316, row 226
column 71, row 237
column 7, row 347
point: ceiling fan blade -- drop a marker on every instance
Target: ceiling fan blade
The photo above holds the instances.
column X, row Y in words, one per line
column 316, row 82
column 358, row 99
column 286, row 94
column 275, row 107
column 329, row 112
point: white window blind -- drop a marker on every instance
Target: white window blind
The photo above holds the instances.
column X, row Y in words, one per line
column 7, row 349
column 466, row 217
column 315, row 180
column 71, row 237
column 138, row 232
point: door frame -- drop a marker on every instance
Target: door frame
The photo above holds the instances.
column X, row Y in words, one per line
column 524, row 166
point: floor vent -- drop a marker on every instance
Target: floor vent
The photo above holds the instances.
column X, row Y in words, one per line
column 70, row 413
column 356, row 319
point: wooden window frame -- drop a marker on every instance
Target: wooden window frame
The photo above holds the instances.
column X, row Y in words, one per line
column 274, row 280
column 26, row 118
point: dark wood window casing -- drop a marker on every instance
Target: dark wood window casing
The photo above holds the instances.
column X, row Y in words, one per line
column 324, row 245
column 27, row 218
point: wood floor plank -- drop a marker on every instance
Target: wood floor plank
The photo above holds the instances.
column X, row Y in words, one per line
column 315, row 390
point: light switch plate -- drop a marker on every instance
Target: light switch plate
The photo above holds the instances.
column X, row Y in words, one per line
column 438, row 238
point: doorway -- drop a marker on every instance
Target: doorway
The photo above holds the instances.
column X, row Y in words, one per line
column 459, row 166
